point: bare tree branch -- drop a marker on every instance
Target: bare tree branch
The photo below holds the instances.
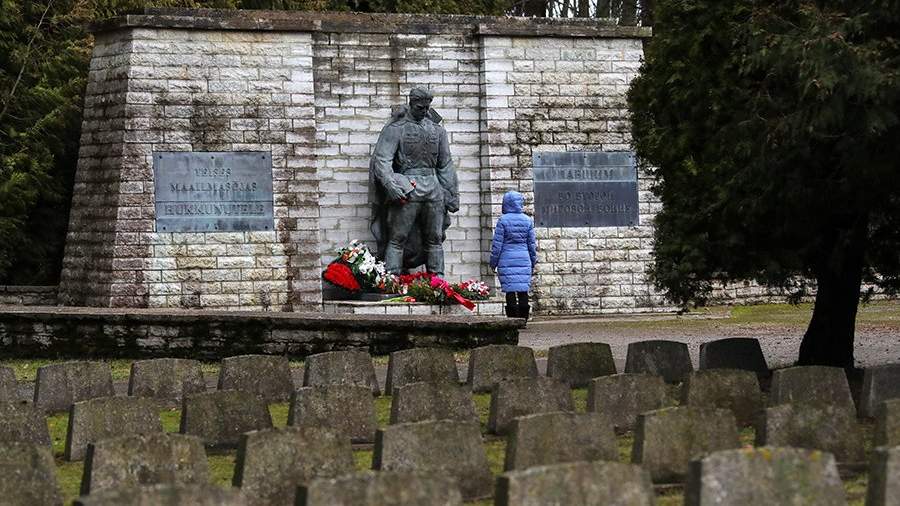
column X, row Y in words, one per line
column 37, row 30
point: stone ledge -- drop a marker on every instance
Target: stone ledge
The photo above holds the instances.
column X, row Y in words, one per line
column 213, row 335
column 352, row 22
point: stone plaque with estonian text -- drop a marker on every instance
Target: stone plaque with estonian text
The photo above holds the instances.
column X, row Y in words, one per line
column 213, row 191
column 585, row 189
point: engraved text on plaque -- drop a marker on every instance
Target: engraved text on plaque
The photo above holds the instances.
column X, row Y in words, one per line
column 213, row 191
column 585, row 189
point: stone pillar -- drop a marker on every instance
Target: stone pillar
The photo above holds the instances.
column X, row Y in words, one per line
column 156, row 90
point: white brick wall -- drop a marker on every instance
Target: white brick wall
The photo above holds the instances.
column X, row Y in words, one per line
column 358, row 77
column 566, row 94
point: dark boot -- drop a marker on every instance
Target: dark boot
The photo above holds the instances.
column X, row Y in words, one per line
column 524, row 308
column 524, row 311
column 512, row 309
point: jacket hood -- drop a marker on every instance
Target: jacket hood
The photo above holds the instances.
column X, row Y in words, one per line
column 513, row 202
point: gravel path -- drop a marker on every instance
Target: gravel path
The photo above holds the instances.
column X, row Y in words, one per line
column 875, row 343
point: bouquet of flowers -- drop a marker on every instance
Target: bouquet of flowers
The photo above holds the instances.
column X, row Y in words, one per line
column 356, row 261
column 356, row 268
column 339, row 274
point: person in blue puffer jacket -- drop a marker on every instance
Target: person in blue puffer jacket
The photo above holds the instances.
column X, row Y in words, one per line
column 514, row 254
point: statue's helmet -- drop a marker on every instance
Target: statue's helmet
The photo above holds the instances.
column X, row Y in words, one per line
column 420, row 94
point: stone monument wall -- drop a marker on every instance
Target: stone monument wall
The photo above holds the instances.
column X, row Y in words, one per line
column 315, row 89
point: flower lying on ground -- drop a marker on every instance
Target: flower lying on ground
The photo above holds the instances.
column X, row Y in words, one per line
column 473, row 289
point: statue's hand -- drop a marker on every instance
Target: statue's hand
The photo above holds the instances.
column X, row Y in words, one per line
column 452, row 208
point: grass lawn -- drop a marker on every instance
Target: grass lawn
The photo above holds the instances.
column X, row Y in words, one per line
column 221, row 463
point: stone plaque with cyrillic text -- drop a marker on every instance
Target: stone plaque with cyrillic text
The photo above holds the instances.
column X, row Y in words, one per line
column 585, row 189
column 213, row 191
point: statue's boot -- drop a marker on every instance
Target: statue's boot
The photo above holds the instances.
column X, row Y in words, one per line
column 393, row 258
column 435, row 260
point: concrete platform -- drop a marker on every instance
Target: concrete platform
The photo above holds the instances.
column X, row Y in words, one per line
column 493, row 307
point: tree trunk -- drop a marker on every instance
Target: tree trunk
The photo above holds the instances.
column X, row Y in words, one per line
column 647, row 12
column 829, row 338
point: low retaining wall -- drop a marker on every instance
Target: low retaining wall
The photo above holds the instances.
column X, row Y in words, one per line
column 206, row 335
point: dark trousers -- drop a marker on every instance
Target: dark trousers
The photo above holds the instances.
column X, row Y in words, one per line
column 517, row 305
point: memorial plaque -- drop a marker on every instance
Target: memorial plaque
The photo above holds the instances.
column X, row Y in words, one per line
column 213, row 191
column 585, row 189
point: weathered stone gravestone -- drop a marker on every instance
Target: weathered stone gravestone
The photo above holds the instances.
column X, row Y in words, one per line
column 9, row 386
column 578, row 363
column 667, row 439
column 417, row 402
column 21, row 422
column 499, row 362
column 669, row 359
column 347, row 409
column 731, row 389
column 166, row 494
column 272, row 463
column 887, row 423
column 97, row 419
column 146, row 459
column 219, row 418
column 583, row 483
column 765, row 476
column 622, row 397
column 884, row 477
column 432, row 365
column 28, row 476
column 383, row 488
column 58, row 386
column 521, row 397
column 442, row 448
column 266, row 376
column 734, row 353
column 167, row 379
column 880, row 383
column 553, row 438
column 349, row 367
column 823, row 427
column 811, row 384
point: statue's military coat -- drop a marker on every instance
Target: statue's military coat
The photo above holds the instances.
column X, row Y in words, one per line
column 404, row 145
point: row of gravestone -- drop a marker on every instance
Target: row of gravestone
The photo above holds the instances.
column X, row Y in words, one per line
column 435, row 462
column 809, row 407
column 59, row 385
column 815, row 416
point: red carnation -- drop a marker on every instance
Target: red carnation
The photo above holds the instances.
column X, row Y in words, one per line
column 340, row 275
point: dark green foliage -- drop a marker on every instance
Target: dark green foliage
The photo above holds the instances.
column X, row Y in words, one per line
column 773, row 129
column 41, row 83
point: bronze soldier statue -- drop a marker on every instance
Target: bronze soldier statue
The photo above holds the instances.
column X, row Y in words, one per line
column 412, row 187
